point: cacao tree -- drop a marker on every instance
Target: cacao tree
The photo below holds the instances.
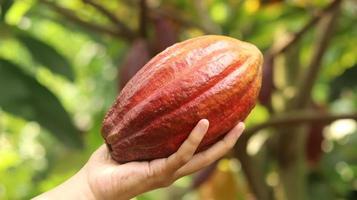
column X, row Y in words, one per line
column 63, row 62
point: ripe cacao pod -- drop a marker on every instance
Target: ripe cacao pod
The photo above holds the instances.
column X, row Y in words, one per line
column 134, row 60
column 213, row 77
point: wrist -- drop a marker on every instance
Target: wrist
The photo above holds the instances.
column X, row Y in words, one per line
column 76, row 187
column 85, row 191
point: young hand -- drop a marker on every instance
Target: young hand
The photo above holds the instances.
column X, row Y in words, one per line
column 103, row 178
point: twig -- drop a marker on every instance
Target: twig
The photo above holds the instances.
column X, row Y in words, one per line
column 298, row 35
column 143, row 19
column 120, row 25
column 296, row 118
column 291, row 159
column 177, row 17
column 67, row 13
column 255, row 176
column 309, row 78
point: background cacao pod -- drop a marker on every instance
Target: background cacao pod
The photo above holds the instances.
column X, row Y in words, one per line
column 212, row 77
column 136, row 58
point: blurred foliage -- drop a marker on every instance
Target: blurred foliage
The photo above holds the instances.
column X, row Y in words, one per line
column 57, row 80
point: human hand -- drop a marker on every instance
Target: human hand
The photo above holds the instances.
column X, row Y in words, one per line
column 103, row 178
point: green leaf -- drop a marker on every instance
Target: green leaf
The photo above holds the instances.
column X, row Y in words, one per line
column 23, row 96
column 4, row 7
column 46, row 55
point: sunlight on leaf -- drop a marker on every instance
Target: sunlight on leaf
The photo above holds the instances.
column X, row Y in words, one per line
column 25, row 97
column 219, row 12
column 47, row 55
column 258, row 115
column 17, row 11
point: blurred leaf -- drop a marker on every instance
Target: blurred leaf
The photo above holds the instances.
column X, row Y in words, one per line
column 4, row 7
column 223, row 184
column 22, row 95
column 203, row 175
column 347, row 80
column 219, row 12
column 259, row 114
column 17, row 11
column 47, row 55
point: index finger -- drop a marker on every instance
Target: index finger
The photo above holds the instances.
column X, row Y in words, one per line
column 188, row 148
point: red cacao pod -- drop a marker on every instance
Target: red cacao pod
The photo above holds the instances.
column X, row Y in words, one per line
column 314, row 139
column 134, row 60
column 166, row 33
column 213, row 77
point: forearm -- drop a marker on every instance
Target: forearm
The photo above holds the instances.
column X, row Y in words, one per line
column 76, row 187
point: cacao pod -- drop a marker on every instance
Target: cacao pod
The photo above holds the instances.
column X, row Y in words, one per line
column 268, row 86
column 166, row 33
column 134, row 60
column 213, row 77
column 314, row 139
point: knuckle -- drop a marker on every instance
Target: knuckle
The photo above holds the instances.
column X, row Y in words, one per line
column 184, row 158
column 206, row 159
column 227, row 143
column 150, row 172
column 230, row 144
column 195, row 140
column 191, row 143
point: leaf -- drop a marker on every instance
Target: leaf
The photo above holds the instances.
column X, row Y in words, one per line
column 46, row 55
column 347, row 80
column 5, row 5
column 203, row 175
column 23, row 96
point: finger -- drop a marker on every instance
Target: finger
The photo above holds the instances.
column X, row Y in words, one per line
column 212, row 154
column 188, row 148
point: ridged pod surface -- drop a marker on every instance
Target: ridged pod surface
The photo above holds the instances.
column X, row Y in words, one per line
column 213, row 77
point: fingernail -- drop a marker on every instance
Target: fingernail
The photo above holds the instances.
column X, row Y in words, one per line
column 241, row 125
column 205, row 122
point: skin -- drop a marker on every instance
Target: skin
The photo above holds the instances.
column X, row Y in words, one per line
column 103, row 178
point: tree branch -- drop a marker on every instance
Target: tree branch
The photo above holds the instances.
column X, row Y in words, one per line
column 67, row 13
column 177, row 17
column 298, row 35
column 120, row 25
column 308, row 80
column 296, row 118
column 255, row 177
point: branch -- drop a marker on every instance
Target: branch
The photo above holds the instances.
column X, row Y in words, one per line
column 297, row 36
column 177, row 17
column 309, row 78
column 254, row 176
column 143, row 18
column 122, row 27
column 67, row 13
column 296, row 118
